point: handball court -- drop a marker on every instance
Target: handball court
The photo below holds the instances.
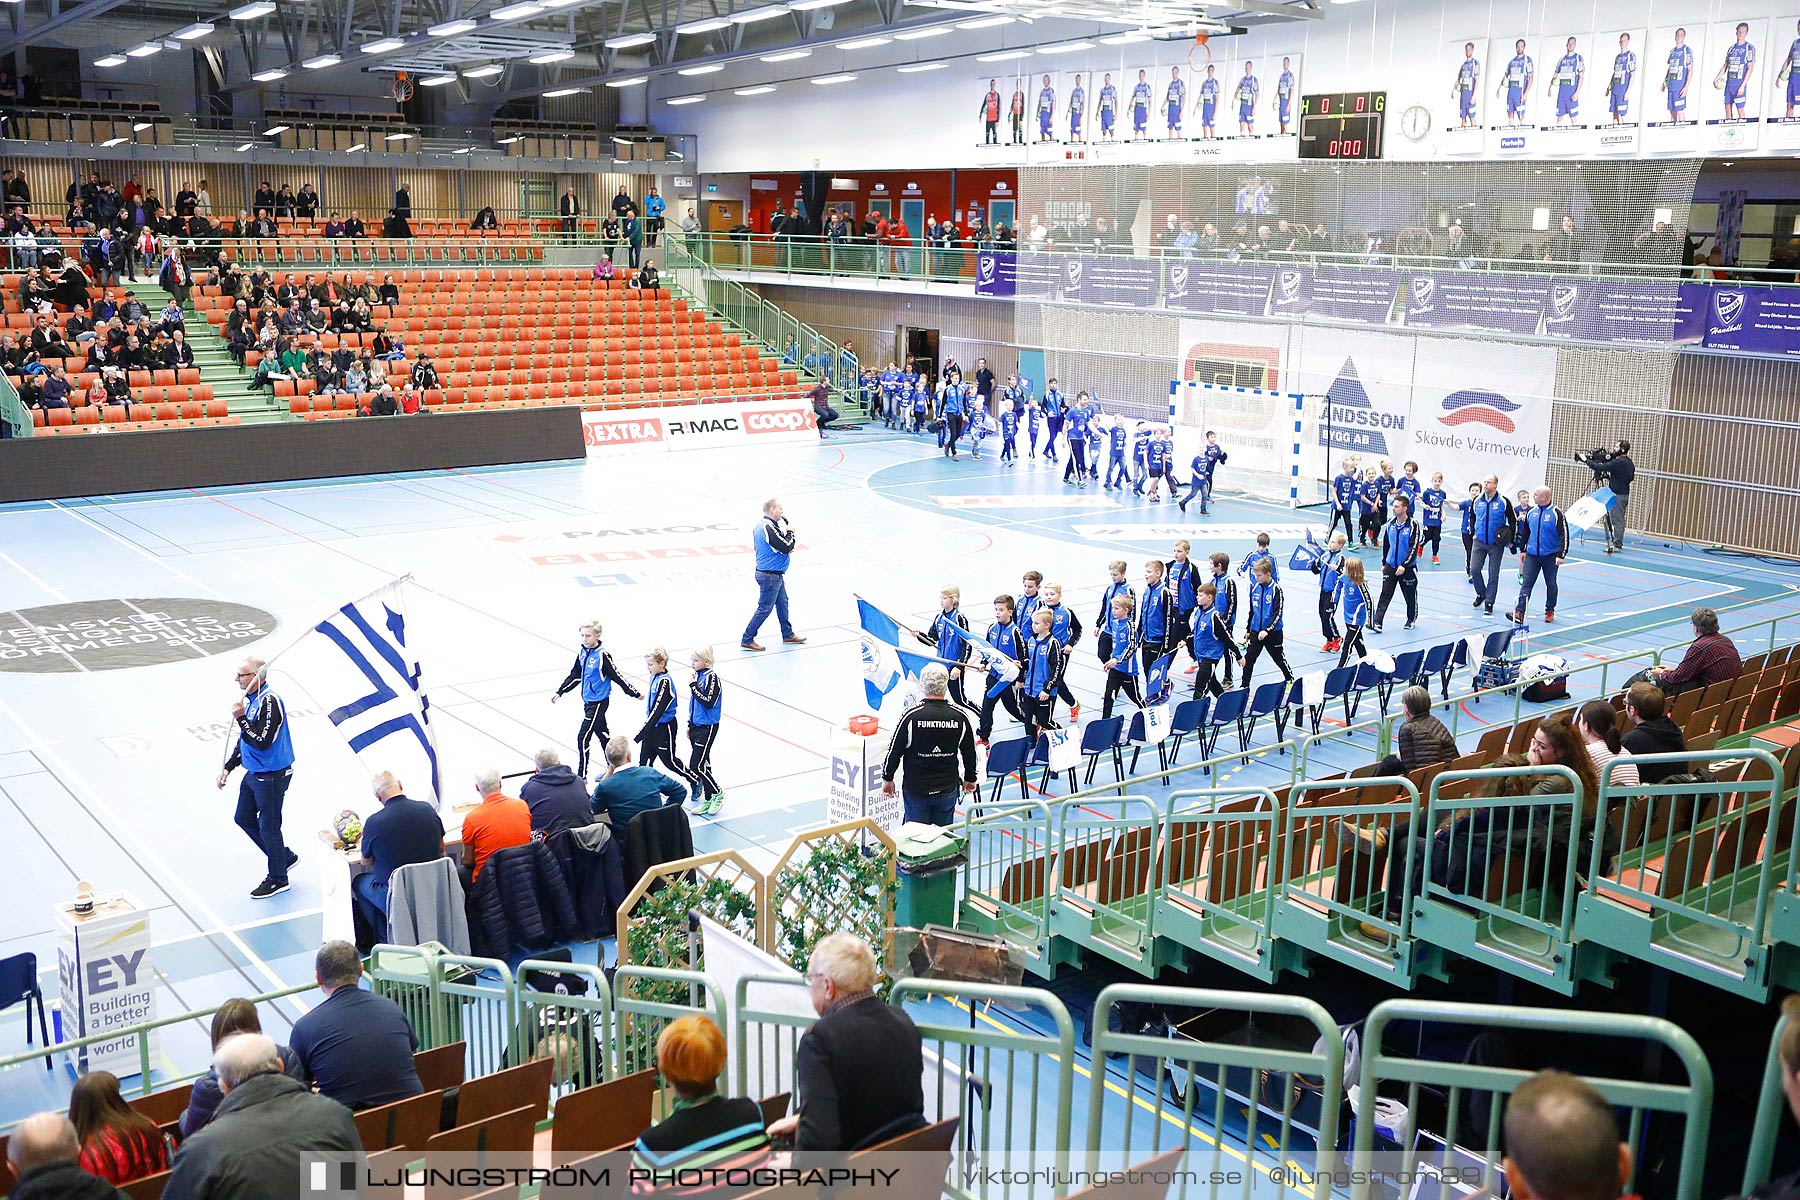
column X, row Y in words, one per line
column 107, row 774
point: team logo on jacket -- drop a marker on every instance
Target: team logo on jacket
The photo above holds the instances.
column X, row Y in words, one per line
column 1479, row 407
column 1728, row 307
column 1178, row 282
column 1563, row 297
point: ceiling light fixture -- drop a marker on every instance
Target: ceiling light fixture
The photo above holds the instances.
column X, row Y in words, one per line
column 551, row 56
column 704, row 25
column 867, row 43
column 919, row 35
column 984, row 22
column 383, row 45
column 198, row 29
column 761, row 89
column 357, row 147
column 1066, row 48
column 828, row 80
column 438, row 80
column 1125, row 39
column 144, row 51
column 507, row 141
column 786, row 56
column 486, row 72
column 396, row 137
column 810, row 5
column 271, row 75
column 321, row 62
column 915, row 68
column 1003, row 56
column 140, row 126
column 765, row 13
column 680, row 100
column 517, row 12
column 276, row 130
column 452, row 28
column 627, row 41
column 111, row 60
column 559, row 93
column 253, row 10
column 633, row 81
column 708, row 69
column 464, row 150
column 246, row 146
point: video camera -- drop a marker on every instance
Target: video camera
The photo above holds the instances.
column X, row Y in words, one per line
column 1595, row 460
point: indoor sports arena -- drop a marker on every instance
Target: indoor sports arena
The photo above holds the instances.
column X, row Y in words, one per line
column 991, row 599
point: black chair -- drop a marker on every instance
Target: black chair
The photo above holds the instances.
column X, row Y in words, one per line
column 19, row 981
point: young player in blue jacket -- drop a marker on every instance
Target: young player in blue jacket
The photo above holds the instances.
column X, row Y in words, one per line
column 1226, row 589
column 1260, row 554
column 1344, row 488
column 1329, row 567
column 1006, row 636
column 947, row 635
column 1121, row 666
column 1353, row 607
column 1117, row 438
column 1263, row 605
column 1431, row 513
column 1212, row 642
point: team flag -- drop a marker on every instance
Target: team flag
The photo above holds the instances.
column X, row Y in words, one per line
column 885, row 664
column 1156, row 680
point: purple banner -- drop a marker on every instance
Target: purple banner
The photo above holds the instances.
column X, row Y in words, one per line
column 1488, row 303
column 1364, row 294
column 996, row 273
column 1037, row 276
column 1125, row 282
column 1755, row 320
column 1291, row 291
column 1215, row 287
column 1624, row 313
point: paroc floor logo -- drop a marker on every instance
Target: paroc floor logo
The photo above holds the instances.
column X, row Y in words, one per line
column 115, row 635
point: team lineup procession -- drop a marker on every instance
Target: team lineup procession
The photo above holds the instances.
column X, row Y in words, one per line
column 954, row 600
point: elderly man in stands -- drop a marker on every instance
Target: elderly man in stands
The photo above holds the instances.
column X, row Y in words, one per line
column 1711, row 658
column 354, row 1046
column 858, row 1071
column 499, row 822
column 45, row 1153
column 556, row 798
column 403, row 831
column 625, row 791
column 1562, row 1142
column 251, row 1150
column 1422, row 740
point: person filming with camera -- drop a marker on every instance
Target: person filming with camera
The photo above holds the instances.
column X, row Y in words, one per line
column 1615, row 469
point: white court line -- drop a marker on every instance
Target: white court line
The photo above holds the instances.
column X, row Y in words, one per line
column 147, row 857
column 16, row 565
column 137, row 549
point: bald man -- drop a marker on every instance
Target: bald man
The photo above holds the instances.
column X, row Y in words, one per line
column 1562, row 1142
column 1544, row 546
column 44, row 1153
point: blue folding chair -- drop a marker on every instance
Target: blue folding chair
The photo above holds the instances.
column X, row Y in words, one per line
column 1189, row 715
column 1004, row 759
column 1337, row 682
column 1227, row 708
column 1284, row 712
column 1098, row 738
column 19, row 981
column 1264, row 702
column 1439, row 661
column 1368, row 677
column 1406, row 670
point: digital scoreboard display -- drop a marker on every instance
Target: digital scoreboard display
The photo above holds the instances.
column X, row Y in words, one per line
column 1342, row 125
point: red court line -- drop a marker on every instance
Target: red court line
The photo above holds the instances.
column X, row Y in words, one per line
column 461, row 603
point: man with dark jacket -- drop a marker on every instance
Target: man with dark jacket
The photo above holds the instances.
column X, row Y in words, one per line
column 1422, row 739
column 403, row 201
column 858, row 1071
column 45, row 1155
column 556, row 798
column 400, row 833
column 934, row 745
column 264, row 198
column 1652, row 731
column 1619, row 471
column 355, row 1046
column 252, row 1148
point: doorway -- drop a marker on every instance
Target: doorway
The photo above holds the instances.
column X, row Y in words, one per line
column 884, row 206
column 724, row 214
column 919, row 350
column 1002, row 212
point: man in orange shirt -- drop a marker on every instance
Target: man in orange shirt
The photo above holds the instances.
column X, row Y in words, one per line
column 497, row 823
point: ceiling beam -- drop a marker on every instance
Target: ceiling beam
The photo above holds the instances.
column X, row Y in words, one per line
column 76, row 15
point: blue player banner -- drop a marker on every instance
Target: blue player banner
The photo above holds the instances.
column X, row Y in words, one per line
column 996, row 272
column 1625, row 312
column 1128, row 282
column 1756, row 320
column 1194, row 286
column 358, row 665
column 1156, row 680
column 1489, row 303
column 1305, row 554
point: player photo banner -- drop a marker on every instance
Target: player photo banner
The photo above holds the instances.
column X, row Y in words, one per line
column 1616, row 92
column 1737, row 71
column 1674, row 68
column 1784, row 97
column 1466, row 79
column 1567, row 82
column 1488, row 303
column 1515, row 79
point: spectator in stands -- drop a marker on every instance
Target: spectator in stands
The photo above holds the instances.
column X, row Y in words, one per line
column 556, row 798
column 47, row 339
column 325, row 373
column 356, row 1046
column 174, row 277
column 654, row 207
column 118, row 1144
column 400, row 833
column 568, row 207
column 235, row 1016
column 25, row 244
column 497, row 823
column 99, row 356
column 621, row 203
column 131, row 354
column 1711, row 658
column 383, row 403
column 424, row 374
column 251, row 1150
column 317, row 319
column 704, row 1131
column 1652, row 732
column 485, row 219
column 691, row 223
column 186, row 200
column 1562, row 1142
column 306, row 204
column 79, row 327
column 229, row 278
column 1422, row 739
column 171, row 318
column 632, row 230
column 334, row 226
column 361, row 320
column 139, row 253
column 403, row 200
column 625, row 791
column 264, row 226
column 133, row 311
column 96, row 393
column 177, row 354
column 264, row 197
column 858, row 1038
column 288, row 291
column 388, row 293
column 353, row 226
column 1598, row 726
column 118, row 387
column 243, row 227
column 647, row 279
column 356, row 378
column 77, row 220
column 293, row 319
column 389, row 347
column 19, row 190
column 44, row 1151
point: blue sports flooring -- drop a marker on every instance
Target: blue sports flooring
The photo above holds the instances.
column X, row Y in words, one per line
column 106, row 775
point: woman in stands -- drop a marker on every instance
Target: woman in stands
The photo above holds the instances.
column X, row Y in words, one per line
column 705, row 700
column 117, row 1144
column 704, row 1131
column 656, row 740
column 1598, row 725
column 390, row 293
column 235, row 1016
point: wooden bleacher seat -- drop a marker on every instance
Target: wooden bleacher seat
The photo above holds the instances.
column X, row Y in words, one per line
column 385, row 1163
column 526, row 1086
column 603, row 1116
column 503, row 1133
column 442, row 1068
column 1149, row 1181
column 408, row 1124
column 164, row 1106
column 774, row 1107
column 150, row 1187
column 922, row 1156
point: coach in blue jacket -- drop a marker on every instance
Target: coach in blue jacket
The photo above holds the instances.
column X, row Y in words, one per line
column 1493, row 519
column 1545, row 545
column 774, row 542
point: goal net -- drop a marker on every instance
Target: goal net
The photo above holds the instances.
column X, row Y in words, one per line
column 1263, row 433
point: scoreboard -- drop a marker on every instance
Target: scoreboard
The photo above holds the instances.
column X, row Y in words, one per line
column 1342, row 125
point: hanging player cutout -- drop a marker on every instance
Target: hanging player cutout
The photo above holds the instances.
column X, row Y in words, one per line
column 1734, row 74
column 1624, row 70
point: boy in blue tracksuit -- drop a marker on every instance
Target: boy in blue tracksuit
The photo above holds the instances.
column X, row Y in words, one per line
column 1329, row 566
column 1204, row 464
column 1009, row 432
column 1263, row 617
column 1029, row 600
column 1344, row 488
column 1467, row 510
column 1260, row 554
column 1226, row 589
column 1066, row 628
column 1158, row 462
column 1034, row 416
column 1077, row 418
column 595, row 674
column 1096, row 438
column 1008, row 637
column 1401, row 542
column 1116, row 586
column 1431, row 513
column 1156, row 614
column 921, row 407
column 1040, row 676
column 1368, row 500
column 1140, row 446
column 957, row 395
column 1053, row 419
column 1543, row 544
column 1212, row 642
column 1121, row 666
column 1351, row 599
column 947, row 635
column 1117, row 436
column 1408, row 485
column 1184, row 590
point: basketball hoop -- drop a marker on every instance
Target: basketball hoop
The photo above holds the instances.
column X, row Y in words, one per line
column 404, row 88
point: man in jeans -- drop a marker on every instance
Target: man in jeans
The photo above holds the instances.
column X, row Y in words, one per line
column 1619, row 471
column 1494, row 519
column 823, row 413
column 774, row 542
column 933, row 749
column 265, row 750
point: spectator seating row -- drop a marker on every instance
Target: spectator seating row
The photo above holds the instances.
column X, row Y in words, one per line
column 137, row 379
column 191, row 414
column 91, row 122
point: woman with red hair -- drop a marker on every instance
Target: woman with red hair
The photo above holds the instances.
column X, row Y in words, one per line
column 706, row 1132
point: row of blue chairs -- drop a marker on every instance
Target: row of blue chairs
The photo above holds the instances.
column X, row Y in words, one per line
column 1205, row 718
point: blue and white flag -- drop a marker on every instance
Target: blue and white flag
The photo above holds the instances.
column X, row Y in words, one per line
column 1306, row 554
column 984, row 657
column 885, row 665
column 1156, row 680
column 362, row 670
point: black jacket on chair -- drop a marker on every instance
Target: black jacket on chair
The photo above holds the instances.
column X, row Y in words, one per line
column 655, row 837
column 521, row 901
column 595, row 878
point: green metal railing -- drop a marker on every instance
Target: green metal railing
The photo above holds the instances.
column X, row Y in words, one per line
column 1257, row 1103
column 1006, row 884
column 574, row 1031
column 1471, row 1097
column 1694, row 883
column 1012, row 1087
column 1219, row 876
column 1771, row 1111
column 799, row 344
column 1108, row 860
column 767, row 1035
column 13, row 411
column 645, row 1000
column 1493, row 888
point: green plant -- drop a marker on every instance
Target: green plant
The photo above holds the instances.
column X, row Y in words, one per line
column 836, row 886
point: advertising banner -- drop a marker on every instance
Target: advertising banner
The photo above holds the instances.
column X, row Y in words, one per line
column 695, row 426
column 996, row 273
column 1363, row 294
column 1753, row 320
column 1624, row 313
column 1128, row 282
column 1475, row 413
column 1489, row 303
column 1215, row 287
